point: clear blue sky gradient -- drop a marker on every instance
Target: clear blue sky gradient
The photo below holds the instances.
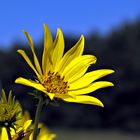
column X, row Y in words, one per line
column 73, row 17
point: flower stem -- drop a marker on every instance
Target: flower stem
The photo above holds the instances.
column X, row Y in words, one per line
column 37, row 115
column 8, row 133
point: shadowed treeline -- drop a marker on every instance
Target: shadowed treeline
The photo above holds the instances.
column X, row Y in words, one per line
column 118, row 50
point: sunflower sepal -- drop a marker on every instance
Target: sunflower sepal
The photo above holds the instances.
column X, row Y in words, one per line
column 33, row 94
column 36, row 94
column 54, row 103
column 46, row 101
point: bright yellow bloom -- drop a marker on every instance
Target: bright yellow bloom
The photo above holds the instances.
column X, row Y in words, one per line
column 24, row 128
column 44, row 133
column 25, row 131
column 63, row 76
column 10, row 110
column 20, row 133
column 21, row 130
column 27, row 135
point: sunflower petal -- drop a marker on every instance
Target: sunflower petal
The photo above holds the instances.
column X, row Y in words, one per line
column 84, row 99
column 89, row 77
column 23, row 54
column 33, row 51
column 27, row 124
column 3, row 97
column 51, row 95
column 26, row 116
column 58, row 48
column 92, row 87
column 3, row 135
column 78, row 67
column 30, row 83
column 74, row 52
column 10, row 97
column 47, row 44
column 45, row 134
column 35, row 85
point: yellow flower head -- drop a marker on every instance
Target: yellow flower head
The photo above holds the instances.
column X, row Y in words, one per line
column 10, row 110
column 24, row 130
column 20, row 133
column 44, row 133
column 27, row 134
column 63, row 76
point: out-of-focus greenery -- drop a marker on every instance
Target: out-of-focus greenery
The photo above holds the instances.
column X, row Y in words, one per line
column 118, row 50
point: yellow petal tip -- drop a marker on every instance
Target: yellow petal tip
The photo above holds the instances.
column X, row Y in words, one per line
column 19, row 51
column 46, row 26
column 111, row 84
column 102, row 105
column 51, row 95
column 112, row 71
column 99, row 103
column 82, row 38
column 16, row 81
column 59, row 31
column 24, row 31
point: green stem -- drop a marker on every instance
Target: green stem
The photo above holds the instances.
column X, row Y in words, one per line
column 37, row 115
column 8, row 133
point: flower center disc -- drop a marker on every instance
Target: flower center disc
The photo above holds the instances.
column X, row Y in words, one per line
column 54, row 83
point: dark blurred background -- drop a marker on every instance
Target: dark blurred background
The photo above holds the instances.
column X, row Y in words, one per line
column 114, row 40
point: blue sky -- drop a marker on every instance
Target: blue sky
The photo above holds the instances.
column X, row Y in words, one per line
column 73, row 17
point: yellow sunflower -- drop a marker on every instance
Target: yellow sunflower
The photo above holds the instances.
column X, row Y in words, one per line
column 27, row 135
column 20, row 133
column 25, row 131
column 10, row 110
column 44, row 133
column 11, row 118
column 63, row 76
